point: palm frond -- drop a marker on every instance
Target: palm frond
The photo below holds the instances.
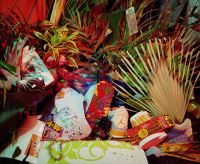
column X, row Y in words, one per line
column 164, row 84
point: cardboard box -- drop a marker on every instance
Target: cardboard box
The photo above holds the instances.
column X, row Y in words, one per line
column 149, row 127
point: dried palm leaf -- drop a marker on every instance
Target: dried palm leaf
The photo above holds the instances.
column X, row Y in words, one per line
column 162, row 84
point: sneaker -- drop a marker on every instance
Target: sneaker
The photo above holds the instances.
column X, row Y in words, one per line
column 119, row 118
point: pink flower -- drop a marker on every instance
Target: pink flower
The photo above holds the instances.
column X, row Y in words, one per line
column 62, row 60
column 49, row 61
column 54, row 74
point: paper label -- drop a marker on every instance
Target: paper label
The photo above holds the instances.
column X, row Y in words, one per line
column 132, row 22
column 168, row 147
column 143, row 133
column 109, row 31
column 51, row 131
column 35, row 143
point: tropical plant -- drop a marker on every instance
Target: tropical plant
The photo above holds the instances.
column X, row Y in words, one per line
column 58, row 41
column 92, row 26
column 92, row 33
column 163, row 81
column 11, row 28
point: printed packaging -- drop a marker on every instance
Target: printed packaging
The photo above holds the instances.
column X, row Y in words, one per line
column 149, row 127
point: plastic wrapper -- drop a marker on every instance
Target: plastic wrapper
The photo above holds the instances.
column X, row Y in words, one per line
column 30, row 72
column 51, row 131
column 14, row 106
column 33, row 67
column 69, row 114
column 28, row 139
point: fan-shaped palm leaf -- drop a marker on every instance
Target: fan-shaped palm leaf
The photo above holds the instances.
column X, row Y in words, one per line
column 165, row 86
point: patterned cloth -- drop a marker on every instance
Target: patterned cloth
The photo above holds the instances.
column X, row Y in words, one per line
column 177, row 136
column 180, row 133
column 100, row 104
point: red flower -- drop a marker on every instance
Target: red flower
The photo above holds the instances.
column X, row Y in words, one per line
column 59, row 86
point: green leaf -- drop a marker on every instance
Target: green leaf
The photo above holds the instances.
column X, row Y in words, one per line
column 40, row 35
column 14, row 136
column 17, row 152
column 45, row 46
column 48, row 35
column 196, row 15
column 73, row 61
column 72, row 42
column 4, row 93
column 71, row 16
column 54, row 39
column 12, row 69
column 69, row 37
column 63, row 28
column 55, row 53
column 79, row 17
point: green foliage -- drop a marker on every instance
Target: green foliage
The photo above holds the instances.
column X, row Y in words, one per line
column 58, row 41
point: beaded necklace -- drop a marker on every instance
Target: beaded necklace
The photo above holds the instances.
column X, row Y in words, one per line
column 61, row 149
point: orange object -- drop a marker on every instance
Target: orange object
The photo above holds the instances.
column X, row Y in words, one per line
column 25, row 7
column 60, row 94
column 178, row 149
column 35, row 146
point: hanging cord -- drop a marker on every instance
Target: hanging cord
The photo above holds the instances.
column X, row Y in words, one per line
column 13, row 7
column 28, row 16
